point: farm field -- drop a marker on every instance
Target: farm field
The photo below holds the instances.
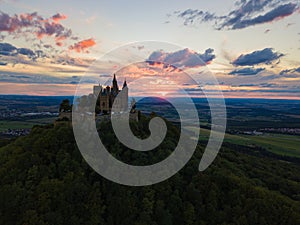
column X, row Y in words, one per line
column 281, row 144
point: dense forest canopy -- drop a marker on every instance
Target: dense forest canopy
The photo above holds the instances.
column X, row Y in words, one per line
column 45, row 180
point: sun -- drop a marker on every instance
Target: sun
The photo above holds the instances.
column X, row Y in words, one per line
column 163, row 93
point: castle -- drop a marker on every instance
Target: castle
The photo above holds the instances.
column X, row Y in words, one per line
column 108, row 95
column 106, row 98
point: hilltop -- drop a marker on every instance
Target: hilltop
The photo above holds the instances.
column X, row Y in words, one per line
column 45, row 180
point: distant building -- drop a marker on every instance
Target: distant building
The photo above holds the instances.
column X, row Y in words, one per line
column 108, row 95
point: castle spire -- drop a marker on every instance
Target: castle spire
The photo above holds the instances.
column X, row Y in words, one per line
column 124, row 84
column 115, row 84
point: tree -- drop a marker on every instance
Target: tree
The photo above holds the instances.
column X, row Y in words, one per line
column 65, row 106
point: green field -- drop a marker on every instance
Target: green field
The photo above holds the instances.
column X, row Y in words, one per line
column 6, row 124
column 278, row 143
column 281, row 144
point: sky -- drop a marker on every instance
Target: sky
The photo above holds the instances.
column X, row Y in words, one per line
column 252, row 47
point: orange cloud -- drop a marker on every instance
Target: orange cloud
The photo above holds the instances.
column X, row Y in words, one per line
column 83, row 45
column 59, row 44
column 57, row 17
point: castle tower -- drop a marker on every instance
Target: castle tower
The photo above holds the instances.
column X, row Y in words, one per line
column 104, row 100
column 97, row 90
column 125, row 96
column 107, row 96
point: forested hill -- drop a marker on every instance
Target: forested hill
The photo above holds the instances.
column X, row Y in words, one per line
column 44, row 180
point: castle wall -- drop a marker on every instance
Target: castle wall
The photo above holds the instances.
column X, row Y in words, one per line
column 104, row 103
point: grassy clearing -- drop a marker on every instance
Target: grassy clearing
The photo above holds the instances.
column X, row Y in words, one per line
column 281, row 144
column 46, row 120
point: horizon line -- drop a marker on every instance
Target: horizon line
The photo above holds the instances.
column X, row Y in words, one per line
column 197, row 97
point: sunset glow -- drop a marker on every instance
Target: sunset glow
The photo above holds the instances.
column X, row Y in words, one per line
column 253, row 54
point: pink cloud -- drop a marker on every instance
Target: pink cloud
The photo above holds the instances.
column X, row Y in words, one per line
column 32, row 23
column 183, row 58
column 57, row 17
column 83, row 45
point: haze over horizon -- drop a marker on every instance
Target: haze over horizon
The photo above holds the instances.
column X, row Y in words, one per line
column 251, row 46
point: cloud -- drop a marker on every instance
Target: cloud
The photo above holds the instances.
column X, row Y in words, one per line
column 247, row 13
column 207, row 56
column 292, row 73
column 139, row 47
column 26, row 51
column 275, row 14
column 266, row 56
column 47, row 34
column 7, row 49
column 290, row 24
column 266, row 85
column 190, row 16
column 247, row 71
column 13, row 56
column 183, row 58
column 71, row 61
column 27, row 24
column 54, row 29
column 57, row 17
column 37, row 89
column 83, row 45
column 13, row 77
column 246, row 85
